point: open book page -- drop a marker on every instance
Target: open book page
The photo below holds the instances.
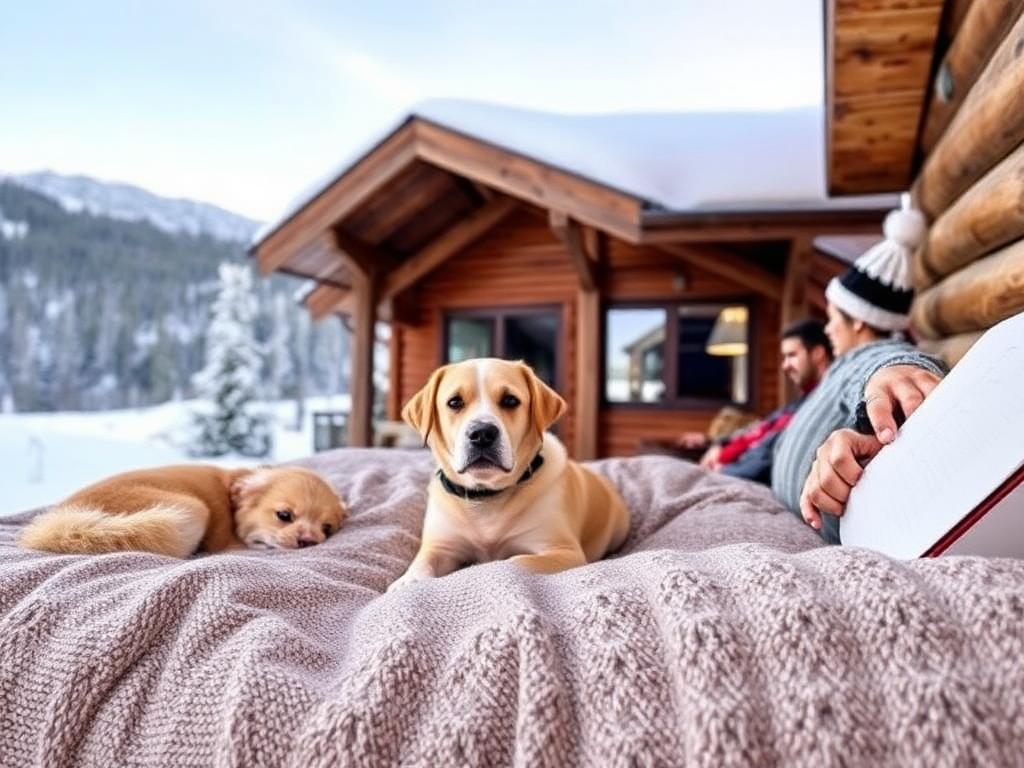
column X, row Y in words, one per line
column 963, row 442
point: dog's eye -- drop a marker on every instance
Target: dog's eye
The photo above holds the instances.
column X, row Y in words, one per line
column 509, row 401
column 455, row 403
column 327, row 529
column 285, row 515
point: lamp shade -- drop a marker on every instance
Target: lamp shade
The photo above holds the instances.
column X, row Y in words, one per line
column 729, row 335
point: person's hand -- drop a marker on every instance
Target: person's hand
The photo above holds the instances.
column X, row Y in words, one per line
column 710, row 458
column 905, row 386
column 692, row 440
column 836, row 469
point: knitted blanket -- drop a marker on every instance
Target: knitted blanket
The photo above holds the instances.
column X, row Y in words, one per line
column 721, row 634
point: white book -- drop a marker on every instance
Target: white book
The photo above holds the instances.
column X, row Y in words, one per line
column 953, row 480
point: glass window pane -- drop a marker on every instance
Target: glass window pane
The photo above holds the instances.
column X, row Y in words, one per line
column 713, row 352
column 532, row 337
column 469, row 337
column 635, row 355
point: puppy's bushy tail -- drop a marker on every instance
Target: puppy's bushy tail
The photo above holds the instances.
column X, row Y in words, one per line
column 163, row 529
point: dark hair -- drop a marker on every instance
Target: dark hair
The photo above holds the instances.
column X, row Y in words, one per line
column 811, row 334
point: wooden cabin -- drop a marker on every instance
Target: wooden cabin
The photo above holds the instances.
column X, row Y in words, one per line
column 929, row 96
column 514, row 234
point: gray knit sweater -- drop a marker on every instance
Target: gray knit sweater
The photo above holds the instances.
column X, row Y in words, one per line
column 831, row 406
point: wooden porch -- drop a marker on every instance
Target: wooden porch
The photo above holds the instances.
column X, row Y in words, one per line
column 381, row 238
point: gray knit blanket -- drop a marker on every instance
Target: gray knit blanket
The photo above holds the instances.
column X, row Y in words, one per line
column 721, row 634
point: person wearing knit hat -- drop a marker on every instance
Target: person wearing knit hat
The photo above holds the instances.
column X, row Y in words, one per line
column 872, row 300
column 819, row 456
column 877, row 290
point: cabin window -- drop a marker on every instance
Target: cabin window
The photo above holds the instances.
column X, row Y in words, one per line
column 470, row 337
column 635, row 355
column 513, row 334
column 678, row 355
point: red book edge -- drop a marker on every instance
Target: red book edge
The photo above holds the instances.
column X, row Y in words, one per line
column 976, row 514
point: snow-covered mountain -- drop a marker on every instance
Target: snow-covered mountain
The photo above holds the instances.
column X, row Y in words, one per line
column 126, row 202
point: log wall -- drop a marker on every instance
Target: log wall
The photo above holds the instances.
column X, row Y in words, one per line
column 969, row 274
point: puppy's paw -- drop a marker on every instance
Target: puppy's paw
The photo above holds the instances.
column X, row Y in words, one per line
column 407, row 579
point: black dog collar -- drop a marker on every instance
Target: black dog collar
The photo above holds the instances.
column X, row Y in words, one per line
column 482, row 493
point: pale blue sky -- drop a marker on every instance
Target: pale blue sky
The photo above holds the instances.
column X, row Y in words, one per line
column 245, row 103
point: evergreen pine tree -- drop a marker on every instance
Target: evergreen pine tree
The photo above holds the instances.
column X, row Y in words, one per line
column 230, row 378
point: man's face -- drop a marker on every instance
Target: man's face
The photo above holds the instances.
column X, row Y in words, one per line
column 797, row 363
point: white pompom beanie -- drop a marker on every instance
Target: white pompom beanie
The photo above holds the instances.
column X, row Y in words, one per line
column 878, row 289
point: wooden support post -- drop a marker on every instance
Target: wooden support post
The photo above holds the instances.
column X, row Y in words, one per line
column 395, row 372
column 586, row 252
column 588, row 339
column 364, row 318
column 794, row 298
column 794, row 287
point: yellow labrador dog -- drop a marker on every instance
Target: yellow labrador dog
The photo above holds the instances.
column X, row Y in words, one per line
column 505, row 487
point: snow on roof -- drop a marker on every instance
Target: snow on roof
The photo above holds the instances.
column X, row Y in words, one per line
column 678, row 161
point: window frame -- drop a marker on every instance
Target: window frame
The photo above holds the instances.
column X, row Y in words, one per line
column 670, row 370
column 498, row 316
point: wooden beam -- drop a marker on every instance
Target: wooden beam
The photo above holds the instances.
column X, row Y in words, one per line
column 985, row 217
column 588, row 357
column 760, row 226
column 729, row 265
column 982, row 30
column 485, row 192
column 322, row 248
column 327, row 300
column 974, row 298
column 446, row 245
column 988, row 126
column 571, row 235
column 364, row 318
column 363, row 257
column 878, row 58
column 525, row 178
column 337, row 201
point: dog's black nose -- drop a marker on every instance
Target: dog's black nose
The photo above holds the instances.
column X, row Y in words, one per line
column 483, row 436
column 303, row 543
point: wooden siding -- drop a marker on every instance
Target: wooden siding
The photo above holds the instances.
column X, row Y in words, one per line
column 521, row 263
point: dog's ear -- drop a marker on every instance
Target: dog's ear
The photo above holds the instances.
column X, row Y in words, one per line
column 420, row 412
column 546, row 405
column 249, row 486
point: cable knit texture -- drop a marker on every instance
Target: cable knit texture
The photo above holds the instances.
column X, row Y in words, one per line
column 722, row 634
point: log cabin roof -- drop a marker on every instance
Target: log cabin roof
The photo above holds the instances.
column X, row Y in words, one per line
column 428, row 188
column 878, row 70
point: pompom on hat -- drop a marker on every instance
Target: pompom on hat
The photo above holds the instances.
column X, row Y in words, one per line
column 878, row 289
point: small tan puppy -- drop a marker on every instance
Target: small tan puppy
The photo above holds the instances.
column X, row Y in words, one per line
column 505, row 487
column 180, row 509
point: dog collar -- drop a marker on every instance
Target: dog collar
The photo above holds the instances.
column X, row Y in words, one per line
column 482, row 493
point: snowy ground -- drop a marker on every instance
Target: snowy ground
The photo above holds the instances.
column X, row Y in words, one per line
column 46, row 456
